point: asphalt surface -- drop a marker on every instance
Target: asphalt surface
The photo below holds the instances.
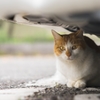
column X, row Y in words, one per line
column 15, row 71
column 62, row 92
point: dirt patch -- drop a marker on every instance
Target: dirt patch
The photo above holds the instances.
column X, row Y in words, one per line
column 60, row 92
column 10, row 84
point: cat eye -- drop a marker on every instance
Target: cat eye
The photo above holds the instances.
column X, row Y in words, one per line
column 74, row 47
column 61, row 48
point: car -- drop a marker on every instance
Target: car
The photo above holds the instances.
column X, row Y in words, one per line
column 68, row 14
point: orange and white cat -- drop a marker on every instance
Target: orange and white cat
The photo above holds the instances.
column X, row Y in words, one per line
column 77, row 61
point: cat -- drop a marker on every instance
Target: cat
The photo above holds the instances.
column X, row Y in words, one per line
column 77, row 61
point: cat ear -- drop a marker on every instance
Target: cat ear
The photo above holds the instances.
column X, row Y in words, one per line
column 56, row 35
column 79, row 33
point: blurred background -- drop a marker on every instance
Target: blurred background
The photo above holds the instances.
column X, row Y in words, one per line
column 26, row 53
column 26, row 41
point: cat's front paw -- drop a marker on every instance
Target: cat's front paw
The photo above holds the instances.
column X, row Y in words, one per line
column 80, row 84
column 70, row 84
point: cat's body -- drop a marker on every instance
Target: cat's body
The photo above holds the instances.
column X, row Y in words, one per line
column 77, row 61
column 80, row 70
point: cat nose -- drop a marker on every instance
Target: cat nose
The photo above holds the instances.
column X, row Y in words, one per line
column 68, row 53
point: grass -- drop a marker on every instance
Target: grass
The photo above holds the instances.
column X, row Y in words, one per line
column 24, row 34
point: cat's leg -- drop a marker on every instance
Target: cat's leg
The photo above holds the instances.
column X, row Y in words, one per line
column 70, row 83
column 80, row 84
column 57, row 78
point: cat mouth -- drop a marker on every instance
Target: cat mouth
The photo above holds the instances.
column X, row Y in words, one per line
column 69, row 59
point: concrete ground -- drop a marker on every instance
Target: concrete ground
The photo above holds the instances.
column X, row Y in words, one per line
column 26, row 67
column 15, row 71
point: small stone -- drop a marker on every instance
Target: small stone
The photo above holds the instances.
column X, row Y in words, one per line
column 35, row 93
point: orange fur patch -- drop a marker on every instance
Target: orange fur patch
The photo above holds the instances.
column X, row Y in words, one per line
column 77, row 39
column 68, row 53
column 57, row 46
column 79, row 43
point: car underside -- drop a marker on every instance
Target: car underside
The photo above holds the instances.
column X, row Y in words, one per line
column 88, row 21
column 68, row 14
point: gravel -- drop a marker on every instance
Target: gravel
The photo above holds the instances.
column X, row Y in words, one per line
column 15, row 72
column 12, row 84
column 60, row 92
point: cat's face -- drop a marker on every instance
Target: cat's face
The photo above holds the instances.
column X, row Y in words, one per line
column 69, row 47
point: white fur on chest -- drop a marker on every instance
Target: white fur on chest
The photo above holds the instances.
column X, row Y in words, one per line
column 74, row 70
column 75, row 73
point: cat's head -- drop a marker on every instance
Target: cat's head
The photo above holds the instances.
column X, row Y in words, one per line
column 69, row 47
